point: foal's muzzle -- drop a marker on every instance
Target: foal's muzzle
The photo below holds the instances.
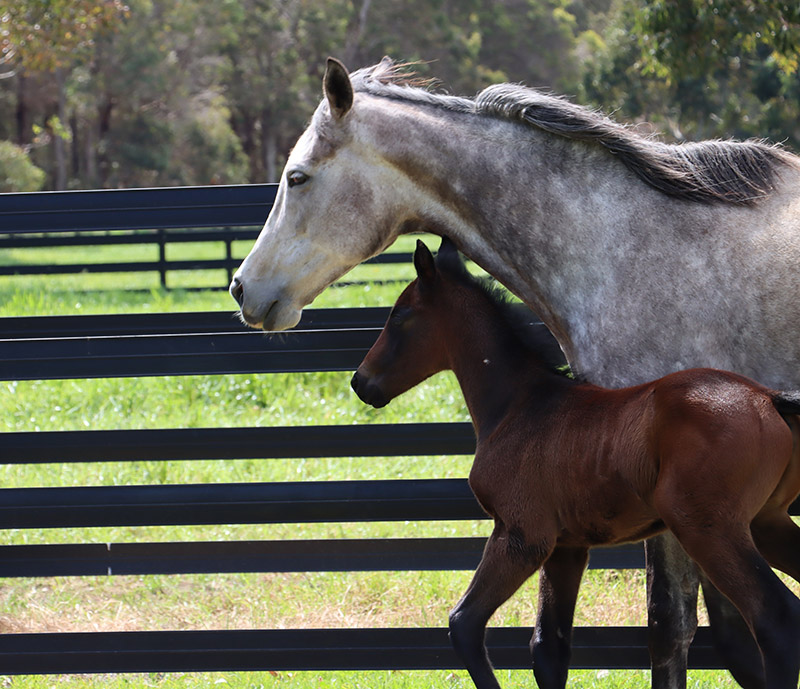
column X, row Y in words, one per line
column 367, row 391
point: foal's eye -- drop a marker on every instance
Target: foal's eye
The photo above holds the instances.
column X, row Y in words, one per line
column 398, row 317
column 296, row 178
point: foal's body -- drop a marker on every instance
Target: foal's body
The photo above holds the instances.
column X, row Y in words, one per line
column 563, row 466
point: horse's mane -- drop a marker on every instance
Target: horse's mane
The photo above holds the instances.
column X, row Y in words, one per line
column 523, row 325
column 737, row 172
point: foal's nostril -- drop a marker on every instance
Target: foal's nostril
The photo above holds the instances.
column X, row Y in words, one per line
column 237, row 290
column 354, row 382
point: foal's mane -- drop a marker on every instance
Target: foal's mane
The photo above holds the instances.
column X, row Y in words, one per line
column 736, row 172
column 524, row 328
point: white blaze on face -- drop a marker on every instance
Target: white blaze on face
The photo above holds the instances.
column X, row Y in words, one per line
column 277, row 266
column 340, row 202
column 328, row 217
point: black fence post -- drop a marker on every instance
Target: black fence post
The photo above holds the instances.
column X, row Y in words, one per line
column 162, row 257
column 229, row 256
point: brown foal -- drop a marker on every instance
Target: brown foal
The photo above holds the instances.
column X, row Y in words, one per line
column 562, row 466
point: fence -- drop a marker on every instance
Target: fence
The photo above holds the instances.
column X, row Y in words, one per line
column 34, row 348
column 141, row 217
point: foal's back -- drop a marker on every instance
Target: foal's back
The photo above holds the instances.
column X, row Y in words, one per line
column 601, row 465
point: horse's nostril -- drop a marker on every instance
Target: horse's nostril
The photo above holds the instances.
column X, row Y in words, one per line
column 237, row 290
column 354, row 382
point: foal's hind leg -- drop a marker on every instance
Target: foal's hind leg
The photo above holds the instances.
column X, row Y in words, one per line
column 504, row 567
column 551, row 645
column 732, row 638
column 778, row 539
column 728, row 556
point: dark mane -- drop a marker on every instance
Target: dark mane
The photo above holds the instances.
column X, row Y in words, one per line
column 525, row 327
column 736, row 172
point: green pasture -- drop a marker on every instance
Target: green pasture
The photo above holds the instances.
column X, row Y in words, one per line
column 247, row 600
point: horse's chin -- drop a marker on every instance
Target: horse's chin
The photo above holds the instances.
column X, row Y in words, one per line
column 274, row 318
column 281, row 317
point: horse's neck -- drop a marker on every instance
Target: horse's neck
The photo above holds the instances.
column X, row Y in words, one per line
column 594, row 251
column 515, row 201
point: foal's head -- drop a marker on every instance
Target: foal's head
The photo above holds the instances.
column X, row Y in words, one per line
column 449, row 319
column 411, row 346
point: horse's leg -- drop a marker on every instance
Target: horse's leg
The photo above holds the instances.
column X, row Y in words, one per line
column 777, row 537
column 672, row 582
column 504, row 567
column 734, row 565
column 732, row 638
column 551, row 645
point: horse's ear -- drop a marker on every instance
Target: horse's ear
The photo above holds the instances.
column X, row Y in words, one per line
column 424, row 264
column 337, row 87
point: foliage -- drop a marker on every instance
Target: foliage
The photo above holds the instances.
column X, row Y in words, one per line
column 158, row 92
column 692, row 37
column 17, row 172
column 46, row 35
column 702, row 69
column 161, row 92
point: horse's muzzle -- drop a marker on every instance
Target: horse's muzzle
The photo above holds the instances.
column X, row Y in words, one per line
column 367, row 391
column 237, row 290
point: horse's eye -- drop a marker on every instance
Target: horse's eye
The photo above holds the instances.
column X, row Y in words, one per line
column 296, row 178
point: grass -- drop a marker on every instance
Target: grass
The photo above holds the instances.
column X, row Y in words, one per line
column 579, row 679
column 259, row 600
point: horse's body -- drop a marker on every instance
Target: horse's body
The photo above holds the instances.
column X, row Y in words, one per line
column 641, row 258
column 562, row 465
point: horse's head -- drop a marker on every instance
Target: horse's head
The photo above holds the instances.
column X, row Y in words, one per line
column 335, row 207
column 410, row 347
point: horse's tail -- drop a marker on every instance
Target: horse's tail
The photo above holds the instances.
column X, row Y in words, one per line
column 787, row 403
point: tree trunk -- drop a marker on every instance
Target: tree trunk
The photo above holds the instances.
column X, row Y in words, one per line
column 103, row 127
column 23, row 130
column 59, row 144
column 90, row 156
column 269, row 148
column 355, row 31
column 75, row 151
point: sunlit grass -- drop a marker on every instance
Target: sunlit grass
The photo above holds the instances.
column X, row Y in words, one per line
column 255, row 600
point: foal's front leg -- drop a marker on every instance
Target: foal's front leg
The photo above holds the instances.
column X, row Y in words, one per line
column 551, row 645
column 506, row 563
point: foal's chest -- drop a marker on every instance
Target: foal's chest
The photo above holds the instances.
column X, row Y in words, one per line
column 580, row 483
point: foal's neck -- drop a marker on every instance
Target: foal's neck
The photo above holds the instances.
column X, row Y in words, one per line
column 494, row 367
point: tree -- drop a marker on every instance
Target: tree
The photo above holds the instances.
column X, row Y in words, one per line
column 702, row 69
column 52, row 36
column 691, row 37
column 182, row 91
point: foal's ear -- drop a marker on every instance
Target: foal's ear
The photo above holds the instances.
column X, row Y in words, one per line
column 448, row 251
column 448, row 258
column 423, row 262
column 337, row 88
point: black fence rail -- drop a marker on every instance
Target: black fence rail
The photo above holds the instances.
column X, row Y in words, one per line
column 55, row 345
column 141, row 217
column 34, row 348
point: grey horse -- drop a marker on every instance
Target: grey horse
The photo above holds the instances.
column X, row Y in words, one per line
column 641, row 257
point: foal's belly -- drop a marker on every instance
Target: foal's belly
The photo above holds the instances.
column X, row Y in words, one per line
column 607, row 519
column 598, row 534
